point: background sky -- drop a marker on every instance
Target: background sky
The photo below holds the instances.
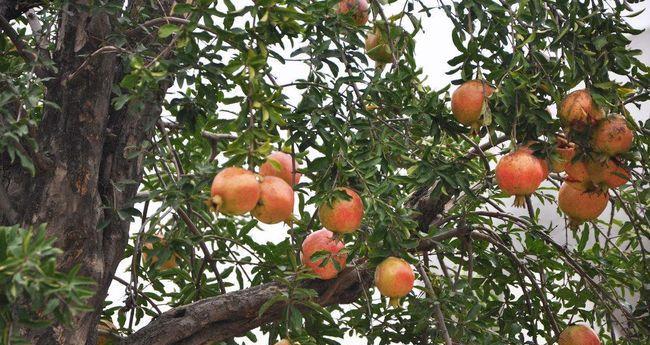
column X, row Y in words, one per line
column 434, row 48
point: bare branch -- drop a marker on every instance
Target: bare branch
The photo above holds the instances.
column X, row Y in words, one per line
column 440, row 317
column 16, row 40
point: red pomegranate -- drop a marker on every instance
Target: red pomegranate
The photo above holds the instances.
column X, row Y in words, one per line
column 578, row 110
column 377, row 46
column 467, row 102
column 394, row 278
column 148, row 247
column 520, row 173
column 577, row 171
column 609, row 173
column 323, row 240
column 612, row 136
column 281, row 164
column 276, row 201
column 342, row 216
column 361, row 10
column 562, row 155
column 235, row 191
column 581, row 204
column 578, row 335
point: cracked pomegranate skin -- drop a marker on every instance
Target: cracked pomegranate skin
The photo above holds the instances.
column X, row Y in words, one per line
column 520, row 173
column 467, row 101
column 235, row 191
column 343, row 216
column 563, row 156
column 581, row 205
column 578, row 110
column 286, row 167
column 579, row 335
column 276, row 201
column 361, row 10
column 323, row 240
column 394, row 277
column 612, row 136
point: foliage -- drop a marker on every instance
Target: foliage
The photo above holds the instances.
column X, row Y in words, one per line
column 293, row 75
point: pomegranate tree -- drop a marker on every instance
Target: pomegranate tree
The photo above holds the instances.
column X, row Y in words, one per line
column 360, row 10
column 612, row 136
column 581, row 204
column 394, row 278
column 578, row 335
column 276, row 201
column 342, row 216
column 467, row 102
column 282, row 165
column 323, row 241
column 235, row 191
column 520, row 173
column 578, row 110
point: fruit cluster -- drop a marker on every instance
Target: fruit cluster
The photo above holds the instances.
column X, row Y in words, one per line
column 591, row 168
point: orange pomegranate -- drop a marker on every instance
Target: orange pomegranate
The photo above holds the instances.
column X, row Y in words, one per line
column 276, row 201
column 342, row 216
column 612, row 136
column 467, row 102
column 148, row 247
column 562, row 155
column 360, row 8
column 281, row 164
column 520, row 173
column 609, row 173
column 377, row 46
column 581, row 204
column 235, row 191
column 323, row 240
column 577, row 171
column 394, row 278
column 578, row 110
column 578, row 335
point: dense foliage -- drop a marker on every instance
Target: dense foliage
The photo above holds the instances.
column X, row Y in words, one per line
column 292, row 75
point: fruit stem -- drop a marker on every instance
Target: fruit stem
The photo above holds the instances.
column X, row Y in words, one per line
column 395, row 302
column 520, row 201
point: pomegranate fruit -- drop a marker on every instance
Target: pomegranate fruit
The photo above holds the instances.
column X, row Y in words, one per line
column 342, row 216
column 578, row 110
column 281, row 164
column 360, row 8
column 377, row 46
column 148, row 247
column 578, row 335
column 394, row 278
column 577, row 171
column 235, row 191
column 276, row 201
column 581, row 204
column 562, row 155
column 612, row 136
column 609, row 173
column 520, row 173
column 467, row 102
column 323, row 240
column 283, row 342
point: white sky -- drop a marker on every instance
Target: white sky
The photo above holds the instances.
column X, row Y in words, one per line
column 434, row 48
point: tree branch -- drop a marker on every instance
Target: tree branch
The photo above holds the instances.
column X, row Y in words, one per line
column 15, row 39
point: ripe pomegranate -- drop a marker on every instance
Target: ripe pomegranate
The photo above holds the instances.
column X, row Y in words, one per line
column 342, row 216
column 562, row 155
column 609, row 173
column 148, row 246
column 323, row 240
column 578, row 335
column 612, row 136
column 581, row 204
column 235, row 191
column 394, row 278
column 578, row 110
column 276, row 201
column 377, row 46
column 361, row 10
column 520, row 173
column 281, row 164
column 467, row 102
column 577, row 171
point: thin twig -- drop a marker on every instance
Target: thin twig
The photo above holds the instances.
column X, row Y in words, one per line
column 440, row 317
